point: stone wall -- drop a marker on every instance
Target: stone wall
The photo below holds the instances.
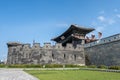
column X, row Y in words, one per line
column 104, row 52
column 48, row 54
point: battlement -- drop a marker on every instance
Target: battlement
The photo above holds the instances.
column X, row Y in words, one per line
column 103, row 40
column 13, row 44
column 69, row 46
column 26, row 46
column 47, row 46
column 36, row 45
column 57, row 46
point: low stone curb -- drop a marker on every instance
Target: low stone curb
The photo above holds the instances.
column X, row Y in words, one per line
column 91, row 69
column 96, row 69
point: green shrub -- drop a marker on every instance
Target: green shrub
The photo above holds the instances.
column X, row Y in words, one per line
column 2, row 65
column 92, row 66
column 102, row 67
column 33, row 66
column 114, row 67
column 53, row 66
column 71, row 66
column 16, row 66
column 24, row 66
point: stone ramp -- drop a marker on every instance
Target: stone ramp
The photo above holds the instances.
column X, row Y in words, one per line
column 15, row 74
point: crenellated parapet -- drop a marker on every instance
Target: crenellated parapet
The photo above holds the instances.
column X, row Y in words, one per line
column 103, row 41
column 57, row 46
column 36, row 46
column 9, row 44
column 26, row 46
column 47, row 46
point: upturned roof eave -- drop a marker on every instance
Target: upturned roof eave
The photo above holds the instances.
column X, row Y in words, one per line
column 75, row 27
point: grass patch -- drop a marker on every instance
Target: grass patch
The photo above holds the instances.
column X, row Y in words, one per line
column 73, row 75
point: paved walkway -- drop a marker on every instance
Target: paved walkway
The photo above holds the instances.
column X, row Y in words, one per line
column 15, row 74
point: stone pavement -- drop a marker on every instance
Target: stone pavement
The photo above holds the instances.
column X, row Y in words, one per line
column 15, row 74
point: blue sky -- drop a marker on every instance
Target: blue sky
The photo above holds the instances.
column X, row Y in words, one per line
column 41, row 20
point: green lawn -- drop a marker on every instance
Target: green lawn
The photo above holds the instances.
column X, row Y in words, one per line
column 73, row 75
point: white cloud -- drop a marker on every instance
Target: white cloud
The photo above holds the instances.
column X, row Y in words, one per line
column 110, row 21
column 101, row 18
column 116, row 10
column 106, row 21
column 118, row 15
